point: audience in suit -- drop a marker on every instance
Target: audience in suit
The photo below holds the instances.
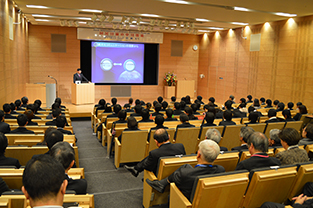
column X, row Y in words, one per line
column 132, row 125
column 258, row 146
column 55, row 106
column 6, row 161
column 33, row 108
column 209, row 118
column 249, row 99
column 148, row 107
column 24, row 102
column 252, row 109
column 286, row 113
column 173, row 99
column 160, row 99
column 4, row 127
column 212, row 101
column 307, row 135
column 129, row 105
column 114, row 101
column 7, row 111
column 169, row 114
column 275, row 103
column 302, row 110
column 18, row 104
column 280, row 107
column 262, row 99
column 38, row 102
column 116, row 109
column 292, row 154
column 272, row 116
column 166, row 148
column 49, row 192
column 253, row 118
column 159, row 121
column 145, row 116
column 188, row 100
column 199, row 97
column 177, row 110
column 137, row 111
column 268, row 103
column 215, row 135
column 274, row 140
column 22, row 121
column 64, row 153
column 256, row 103
column 227, row 115
column 164, row 106
column 232, row 99
column 195, row 107
column 100, row 106
column 157, row 109
column 58, row 100
column 184, row 119
column 290, row 105
column 184, row 176
column 243, row 109
column 30, row 116
column 55, row 114
column 189, row 113
column 245, row 133
column 13, row 109
column 61, row 123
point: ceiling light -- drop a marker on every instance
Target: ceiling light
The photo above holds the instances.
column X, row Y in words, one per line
column 42, row 20
column 181, row 24
column 239, row 23
column 152, row 21
column 83, row 18
column 132, row 25
column 82, row 22
column 202, row 20
column 102, row 18
column 41, row 15
column 36, row 6
column 94, row 17
column 204, row 31
column 166, row 23
column 150, row 15
column 285, row 14
column 91, row 10
column 177, row 1
column 76, row 23
column 62, row 23
column 216, row 28
column 121, row 27
column 110, row 19
column 241, row 9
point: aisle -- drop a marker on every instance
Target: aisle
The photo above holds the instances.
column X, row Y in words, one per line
column 112, row 187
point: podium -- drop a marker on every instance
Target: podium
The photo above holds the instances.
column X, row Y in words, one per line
column 185, row 87
column 44, row 92
column 83, row 93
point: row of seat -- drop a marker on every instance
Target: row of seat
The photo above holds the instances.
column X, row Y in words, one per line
column 41, row 122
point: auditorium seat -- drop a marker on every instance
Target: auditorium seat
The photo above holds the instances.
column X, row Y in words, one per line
column 205, row 128
column 231, row 136
column 270, row 126
column 151, row 144
column 258, row 127
column 294, row 124
column 228, row 160
column 189, row 138
column 243, row 155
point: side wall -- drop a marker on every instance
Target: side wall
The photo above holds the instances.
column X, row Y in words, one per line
column 14, row 70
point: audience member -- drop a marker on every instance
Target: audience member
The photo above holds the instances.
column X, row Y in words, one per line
column 132, row 125
column 55, row 113
column 116, row 109
column 7, row 111
column 245, row 133
column 22, row 121
column 209, row 118
column 242, row 100
column 159, row 121
column 275, row 103
column 4, row 127
column 256, row 103
column 157, row 109
column 188, row 100
column 30, row 116
column 298, row 104
column 262, row 99
column 287, row 115
column 242, row 108
column 61, row 123
column 215, row 135
column 58, row 100
column 18, row 104
column 268, row 104
column 189, row 113
column 307, row 135
column 194, row 108
column 173, row 99
column 280, row 107
column 33, row 108
column 108, row 108
column 199, row 97
column 145, row 116
column 164, row 106
column 227, row 115
column 253, row 118
column 293, row 154
column 24, row 102
column 38, row 102
column 6, row 161
column 212, row 100
column 101, row 106
column 249, row 99
column 148, row 107
column 232, row 99
column 272, row 116
column 52, row 136
column 137, row 111
column 160, row 99
column 177, row 110
column 13, row 108
column 302, row 110
column 184, row 119
column 274, row 139
column 290, row 105
column 113, row 101
column 169, row 115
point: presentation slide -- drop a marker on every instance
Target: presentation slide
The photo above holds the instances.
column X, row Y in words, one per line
column 117, row 62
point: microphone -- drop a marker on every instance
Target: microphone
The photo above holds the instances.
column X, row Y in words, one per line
column 50, row 76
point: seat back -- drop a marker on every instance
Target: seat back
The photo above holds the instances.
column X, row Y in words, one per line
column 189, row 138
column 205, row 128
column 228, row 160
column 270, row 126
column 243, row 155
column 258, row 127
column 269, row 185
column 231, row 136
column 294, row 124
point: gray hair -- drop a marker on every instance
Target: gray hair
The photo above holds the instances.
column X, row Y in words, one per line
column 213, row 134
column 209, row 150
column 259, row 141
column 245, row 132
column 274, row 135
column 64, row 153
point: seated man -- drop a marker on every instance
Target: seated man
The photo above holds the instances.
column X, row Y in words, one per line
column 177, row 110
column 61, row 123
column 184, row 176
column 55, row 114
column 169, row 115
column 7, row 111
column 274, row 139
column 258, row 146
column 13, row 109
column 189, row 112
column 38, row 102
column 116, row 109
column 24, row 102
column 227, row 115
column 307, row 135
column 4, row 127
column 18, row 104
column 6, row 161
column 64, row 153
column 22, row 121
column 58, row 100
column 33, row 108
column 132, row 125
column 137, row 111
column 287, row 115
column 43, row 182
column 185, row 121
column 159, row 120
column 52, row 137
column 30, row 116
column 212, row 101
column 253, row 118
column 166, row 148
column 245, row 133
column 145, row 116
column 215, row 135
column 272, row 116
column 209, row 118
column 157, row 109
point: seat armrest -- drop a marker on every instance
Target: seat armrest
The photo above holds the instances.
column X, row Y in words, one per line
column 177, row 198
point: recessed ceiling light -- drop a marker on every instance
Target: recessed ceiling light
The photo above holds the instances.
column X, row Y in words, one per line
column 216, row 28
column 239, row 23
column 41, row 15
column 82, row 22
column 150, row 15
column 42, row 20
column 36, row 6
column 91, row 10
column 202, row 20
column 83, row 18
column 285, row 14
column 177, row 1
column 241, row 9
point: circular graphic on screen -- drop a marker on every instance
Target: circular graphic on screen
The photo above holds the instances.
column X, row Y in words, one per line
column 129, row 65
column 106, row 64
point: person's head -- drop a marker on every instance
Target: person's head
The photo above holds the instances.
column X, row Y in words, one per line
column 108, row 107
column 60, row 121
column 3, row 143
column 161, row 136
column 142, row 103
column 145, row 114
column 79, row 71
column 102, row 102
column 64, row 153
column 271, row 113
column 212, row 100
column 302, row 109
column 58, row 100
column 274, row 138
column 18, row 103
column 251, row 109
column 38, row 102
column 56, row 112
column 13, row 107
column 44, row 181
column 1, row 115
column 199, row 97
column 298, row 104
column 160, row 99
column 164, row 105
column 173, row 98
column 214, row 135
column 212, row 110
column 183, row 118
column 6, row 108
column 290, row 105
column 187, row 99
column 48, row 130
column 29, row 114
column 137, row 102
column 209, row 117
column 289, row 137
column 269, row 102
column 262, row 99
column 194, row 107
column 286, row 113
column 131, row 122
column 257, row 142
column 208, row 151
column 130, row 101
column 182, row 105
column 253, row 117
column 169, row 113
column 31, row 107
column 159, row 120
column 276, row 102
column 177, row 105
column 307, row 132
column 53, row 137
column 117, row 108
column 24, row 100
column 22, row 120
column 55, row 105
column 245, row 133
column 231, row 97
column 189, row 111
column 249, row 97
column 228, row 104
column 242, row 105
column 122, row 115
column 242, row 100
column 280, row 106
column 227, row 115
column 138, row 109
column 157, row 107
column 148, row 105
column 114, row 101
column 256, row 102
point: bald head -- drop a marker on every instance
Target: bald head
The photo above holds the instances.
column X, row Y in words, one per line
column 161, row 136
column 209, row 150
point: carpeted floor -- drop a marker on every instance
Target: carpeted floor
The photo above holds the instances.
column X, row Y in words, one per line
column 112, row 187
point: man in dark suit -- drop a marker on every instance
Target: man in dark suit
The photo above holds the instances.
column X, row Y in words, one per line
column 138, row 109
column 258, row 146
column 169, row 115
column 79, row 76
column 33, row 108
column 159, row 120
column 4, row 127
column 145, row 116
column 60, row 123
column 245, row 133
column 6, row 161
column 157, row 109
column 184, row 176
column 64, row 153
column 55, row 114
column 227, row 115
column 272, row 116
column 22, row 121
column 166, row 148
column 18, row 104
column 24, row 102
column 177, row 110
column 7, row 111
column 185, row 121
column 215, row 135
